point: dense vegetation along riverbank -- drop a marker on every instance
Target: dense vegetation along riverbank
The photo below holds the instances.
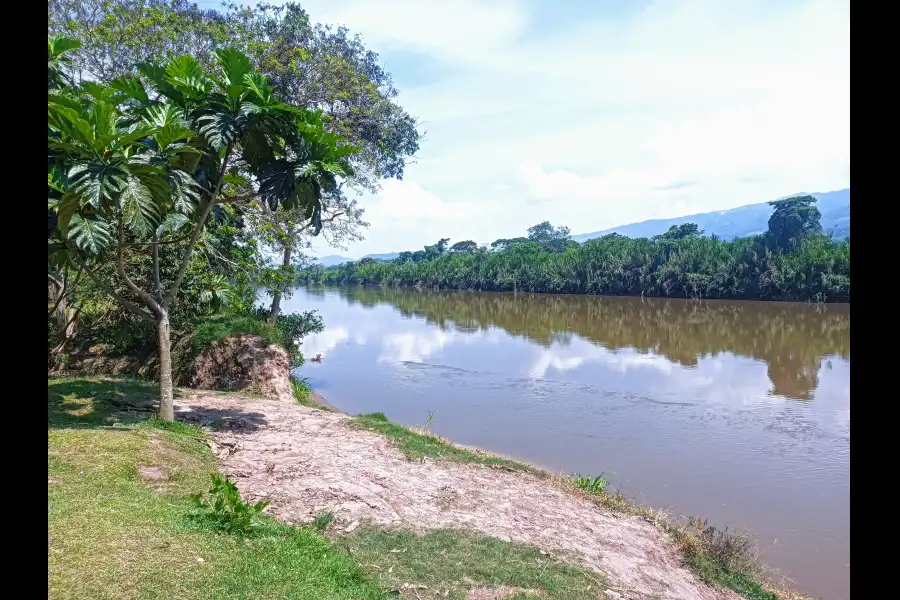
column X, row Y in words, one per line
column 101, row 446
column 681, row 264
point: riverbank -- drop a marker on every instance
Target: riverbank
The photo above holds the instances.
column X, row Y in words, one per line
column 403, row 510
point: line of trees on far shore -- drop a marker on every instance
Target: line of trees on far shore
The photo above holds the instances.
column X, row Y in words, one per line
column 793, row 260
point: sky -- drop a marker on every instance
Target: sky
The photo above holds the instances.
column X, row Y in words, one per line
column 598, row 113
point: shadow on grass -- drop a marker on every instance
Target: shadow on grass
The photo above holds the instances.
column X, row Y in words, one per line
column 101, row 402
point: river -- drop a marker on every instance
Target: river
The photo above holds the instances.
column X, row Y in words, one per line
column 737, row 412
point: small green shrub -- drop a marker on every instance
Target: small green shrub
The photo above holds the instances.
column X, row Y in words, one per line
column 323, row 520
column 735, row 551
column 302, row 390
column 594, row 485
column 225, row 510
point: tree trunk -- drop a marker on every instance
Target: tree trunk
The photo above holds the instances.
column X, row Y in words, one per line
column 276, row 297
column 166, row 390
column 276, row 307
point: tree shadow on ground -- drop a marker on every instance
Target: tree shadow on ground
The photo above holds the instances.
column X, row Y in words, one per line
column 234, row 420
column 99, row 402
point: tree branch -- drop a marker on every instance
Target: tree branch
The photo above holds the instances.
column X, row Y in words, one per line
column 195, row 235
column 120, row 268
column 137, row 310
column 237, row 199
column 65, row 289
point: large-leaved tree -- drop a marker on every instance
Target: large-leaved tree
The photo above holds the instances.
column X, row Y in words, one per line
column 143, row 160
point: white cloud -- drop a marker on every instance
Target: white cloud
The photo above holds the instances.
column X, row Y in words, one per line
column 686, row 106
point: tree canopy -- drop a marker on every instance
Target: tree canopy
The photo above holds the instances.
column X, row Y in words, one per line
column 793, row 219
column 143, row 160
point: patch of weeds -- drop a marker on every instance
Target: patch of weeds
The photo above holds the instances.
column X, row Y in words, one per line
column 593, row 485
column 430, row 421
column 323, row 520
column 225, row 510
column 448, row 563
column 725, row 558
column 302, row 391
column 422, row 444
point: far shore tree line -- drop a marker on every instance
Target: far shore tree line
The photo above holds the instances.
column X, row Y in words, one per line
column 792, row 260
column 192, row 156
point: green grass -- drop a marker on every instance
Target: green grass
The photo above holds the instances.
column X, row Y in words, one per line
column 452, row 562
column 115, row 533
column 121, row 524
column 416, row 444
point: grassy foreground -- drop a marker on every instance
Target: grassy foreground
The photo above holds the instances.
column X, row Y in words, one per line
column 718, row 557
column 120, row 525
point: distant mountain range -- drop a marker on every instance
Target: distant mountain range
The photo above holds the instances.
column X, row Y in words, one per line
column 742, row 221
column 750, row 219
column 334, row 259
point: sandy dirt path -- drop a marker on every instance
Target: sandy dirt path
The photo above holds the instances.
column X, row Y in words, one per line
column 307, row 461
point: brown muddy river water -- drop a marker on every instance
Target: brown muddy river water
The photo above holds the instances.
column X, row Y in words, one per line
column 737, row 412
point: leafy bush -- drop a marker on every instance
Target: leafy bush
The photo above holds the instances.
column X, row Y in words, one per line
column 302, row 390
column 291, row 328
column 594, row 485
column 225, row 509
column 732, row 550
column 285, row 332
column 216, row 328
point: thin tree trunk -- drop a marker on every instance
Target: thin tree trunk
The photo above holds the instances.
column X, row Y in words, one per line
column 276, row 297
column 65, row 323
column 275, row 308
column 166, row 389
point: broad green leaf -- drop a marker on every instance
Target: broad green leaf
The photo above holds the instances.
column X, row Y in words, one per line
column 158, row 77
column 220, row 128
column 186, row 74
column 185, row 192
column 172, row 223
column 69, row 122
column 131, row 87
column 96, row 182
column 259, row 85
column 235, row 68
column 138, row 208
column 65, row 209
column 90, row 235
column 58, row 45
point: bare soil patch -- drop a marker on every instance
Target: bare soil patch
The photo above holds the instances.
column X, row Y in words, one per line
column 308, row 461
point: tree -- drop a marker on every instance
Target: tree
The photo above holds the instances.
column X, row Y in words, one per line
column 308, row 66
column 145, row 167
column 550, row 238
column 793, row 219
column 678, row 232
column 289, row 234
column 504, row 244
column 441, row 246
column 311, row 67
column 465, row 247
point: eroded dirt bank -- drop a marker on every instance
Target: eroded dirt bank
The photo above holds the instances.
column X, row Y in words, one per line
column 308, row 461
